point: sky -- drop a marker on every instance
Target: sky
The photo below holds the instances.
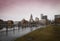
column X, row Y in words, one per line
column 17, row 10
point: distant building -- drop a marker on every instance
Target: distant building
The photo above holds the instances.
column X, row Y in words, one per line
column 36, row 19
column 44, row 19
column 57, row 16
column 43, row 22
column 57, row 19
column 16, row 23
column 43, row 16
column 31, row 18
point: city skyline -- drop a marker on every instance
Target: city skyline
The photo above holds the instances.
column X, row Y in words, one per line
column 18, row 9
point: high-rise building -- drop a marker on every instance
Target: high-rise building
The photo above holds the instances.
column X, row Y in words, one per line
column 43, row 16
column 57, row 16
column 31, row 18
column 44, row 19
column 57, row 19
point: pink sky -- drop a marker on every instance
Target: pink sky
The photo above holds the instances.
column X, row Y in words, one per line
column 19, row 9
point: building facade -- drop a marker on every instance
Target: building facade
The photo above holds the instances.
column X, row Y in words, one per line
column 36, row 19
column 31, row 18
column 57, row 19
column 44, row 19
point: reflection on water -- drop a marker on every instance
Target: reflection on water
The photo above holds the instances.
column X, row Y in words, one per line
column 10, row 35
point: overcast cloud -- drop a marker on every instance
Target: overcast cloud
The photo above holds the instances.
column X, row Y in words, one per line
column 18, row 9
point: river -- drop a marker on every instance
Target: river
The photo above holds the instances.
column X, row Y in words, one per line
column 11, row 35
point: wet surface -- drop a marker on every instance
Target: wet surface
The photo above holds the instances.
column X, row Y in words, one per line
column 11, row 35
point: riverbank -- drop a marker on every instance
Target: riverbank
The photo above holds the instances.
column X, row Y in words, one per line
column 49, row 33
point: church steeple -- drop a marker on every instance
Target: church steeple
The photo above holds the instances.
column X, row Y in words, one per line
column 31, row 18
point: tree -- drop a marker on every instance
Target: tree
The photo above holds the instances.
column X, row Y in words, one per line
column 9, row 23
column 1, row 24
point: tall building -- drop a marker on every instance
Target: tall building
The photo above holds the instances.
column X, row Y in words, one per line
column 57, row 19
column 57, row 16
column 43, row 16
column 31, row 18
column 44, row 19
